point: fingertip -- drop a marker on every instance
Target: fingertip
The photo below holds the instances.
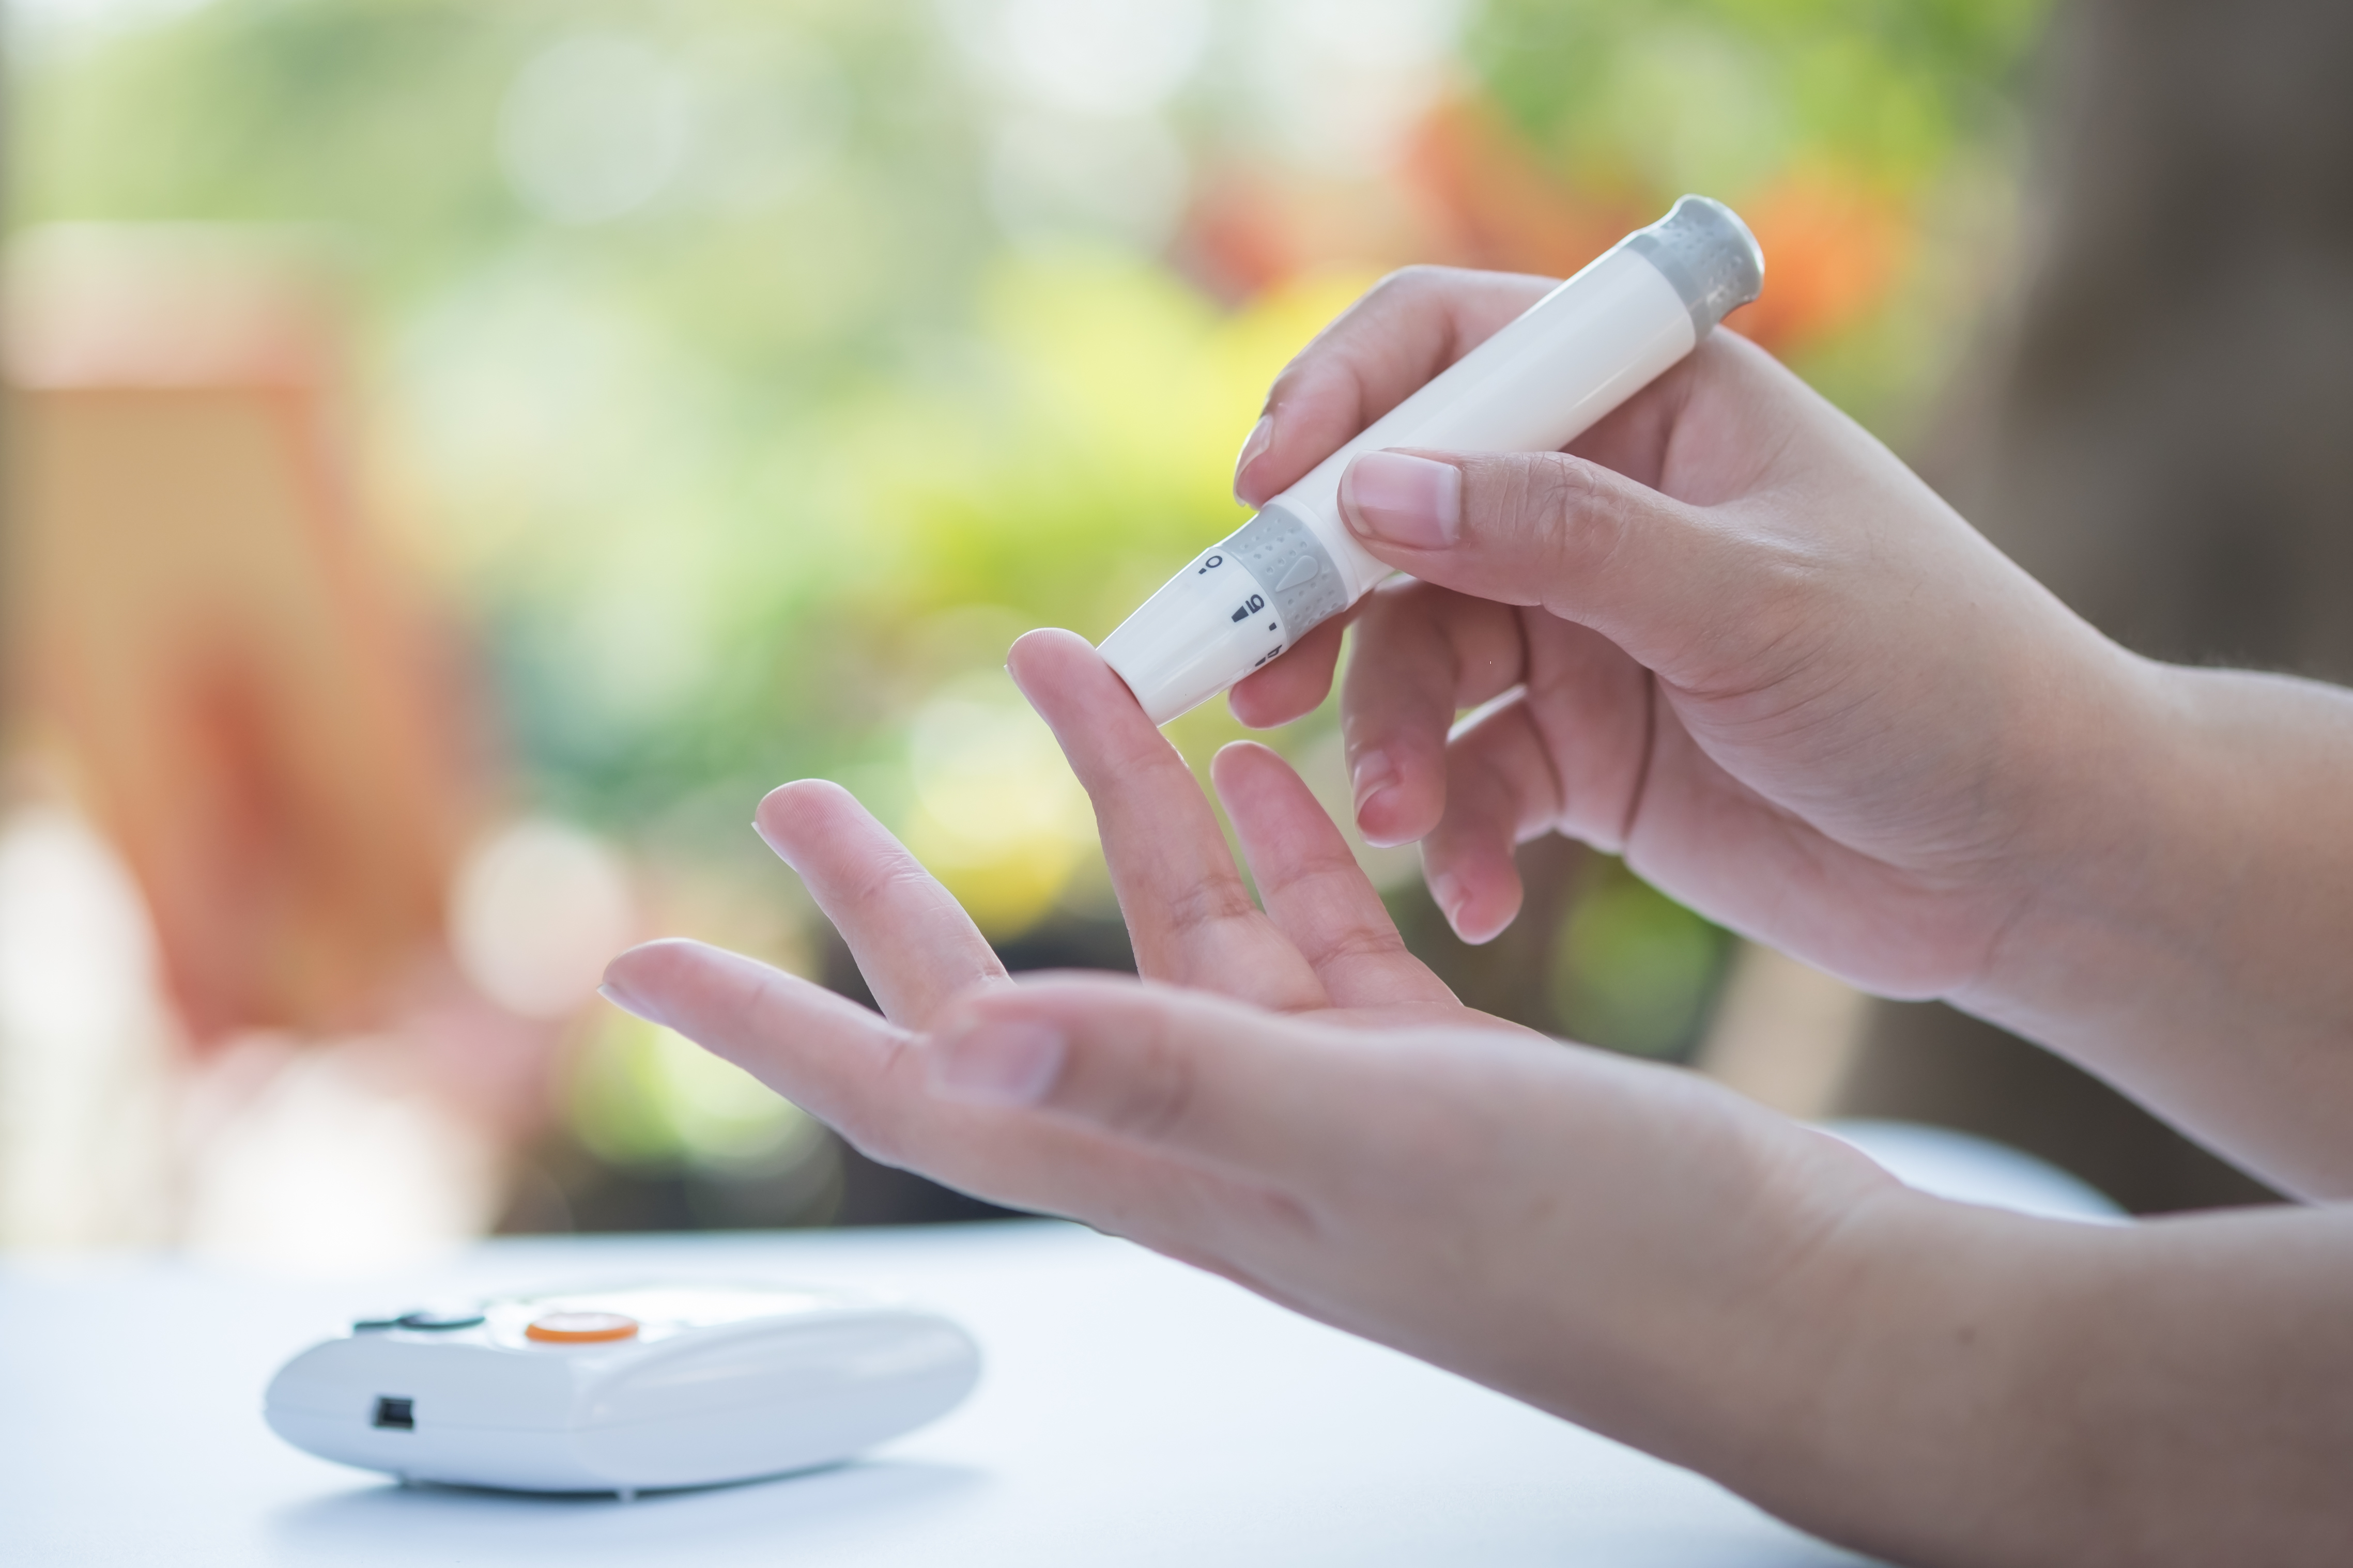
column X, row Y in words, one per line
column 1066, row 679
column 1237, row 760
column 1042, row 652
column 785, row 808
column 644, row 981
column 647, row 958
column 1478, row 907
column 796, row 795
column 1275, row 816
column 1395, row 804
column 1247, row 490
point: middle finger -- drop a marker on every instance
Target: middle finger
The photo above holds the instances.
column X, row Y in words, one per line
column 913, row 941
column 1189, row 912
column 1313, row 887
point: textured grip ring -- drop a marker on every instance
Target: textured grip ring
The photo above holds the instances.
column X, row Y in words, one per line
column 1291, row 565
column 1707, row 253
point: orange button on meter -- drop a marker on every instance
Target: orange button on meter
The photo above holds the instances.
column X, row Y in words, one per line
column 580, row 1328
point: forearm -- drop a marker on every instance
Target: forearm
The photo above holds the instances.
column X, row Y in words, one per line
column 2015, row 1392
column 2189, row 944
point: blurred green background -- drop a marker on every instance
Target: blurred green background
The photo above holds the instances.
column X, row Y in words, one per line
column 740, row 376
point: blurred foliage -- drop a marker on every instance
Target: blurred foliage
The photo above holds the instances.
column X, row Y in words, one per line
column 1631, row 967
column 707, row 367
column 1724, row 95
column 643, row 1097
column 1871, row 143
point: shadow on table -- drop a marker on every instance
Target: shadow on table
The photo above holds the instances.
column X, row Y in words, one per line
column 391, row 1521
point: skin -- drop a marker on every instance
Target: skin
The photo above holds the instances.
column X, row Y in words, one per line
column 1753, row 653
column 1768, row 663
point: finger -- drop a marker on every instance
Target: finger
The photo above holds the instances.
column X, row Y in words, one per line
column 1596, row 713
column 1422, row 655
column 1188, row 910
column 841, row 1062
column 864, row 1077
column 1689, row 582
column 1313, row 889
column 1500, row 789
column 1178, row 1072
column 1408, row 328
column 1544, row 528
column 1294, row 685
column 913, row 941
column 1710, row 428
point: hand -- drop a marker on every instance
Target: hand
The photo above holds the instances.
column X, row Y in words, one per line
column 1739, row 641
column 1755, row 654
column 1622, row 1244
column 1293, row 1101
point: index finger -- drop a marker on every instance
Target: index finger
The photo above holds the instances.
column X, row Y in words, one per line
column 857, row 1073
column 1408, row 327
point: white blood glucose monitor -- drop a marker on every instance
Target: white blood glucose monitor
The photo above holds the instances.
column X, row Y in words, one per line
column 1537, row 386
column 623, row 1390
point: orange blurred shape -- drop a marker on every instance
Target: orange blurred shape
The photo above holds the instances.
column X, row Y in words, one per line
column 1254, row 227
column 1494, row 205
column 200, row 630
column 1237, row 241
column 1834, row 249
column 1835, row 246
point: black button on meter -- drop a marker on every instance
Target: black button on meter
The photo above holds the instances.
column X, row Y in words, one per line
column 426, row 1318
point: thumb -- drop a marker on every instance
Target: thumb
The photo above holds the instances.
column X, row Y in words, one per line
column 1182, row 1072
column 1550, row 529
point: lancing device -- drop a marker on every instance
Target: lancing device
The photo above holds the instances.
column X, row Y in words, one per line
column 1534, row 386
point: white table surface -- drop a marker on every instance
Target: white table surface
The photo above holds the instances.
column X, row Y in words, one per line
column 1133, row 1411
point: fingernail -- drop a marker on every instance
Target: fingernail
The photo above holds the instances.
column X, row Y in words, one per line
column 996, row 1064
column 1374, row 772
column 1015, row 676
column 1403, row 501
column 1260, row 437
column 1447, row 892
column 629, row 1002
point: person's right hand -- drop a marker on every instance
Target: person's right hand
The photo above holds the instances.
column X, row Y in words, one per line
column 1755, row 653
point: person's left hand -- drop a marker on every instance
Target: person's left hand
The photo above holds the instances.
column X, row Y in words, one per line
column 1291, row 1100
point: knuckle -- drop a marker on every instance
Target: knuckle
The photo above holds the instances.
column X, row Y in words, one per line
column 1362, row 943
column 1569, row 516
column 893, row 871
column 1407, row 294
column 1207, row 904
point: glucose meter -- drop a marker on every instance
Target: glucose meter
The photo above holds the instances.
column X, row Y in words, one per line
column 623, row 1390
column 1534, row 386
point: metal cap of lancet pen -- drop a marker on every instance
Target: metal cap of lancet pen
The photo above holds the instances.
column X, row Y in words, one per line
column 1707, row 253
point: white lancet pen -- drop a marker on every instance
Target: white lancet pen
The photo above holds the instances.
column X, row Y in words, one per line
column 1534, row 386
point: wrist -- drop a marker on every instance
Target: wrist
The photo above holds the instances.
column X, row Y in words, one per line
column 1735, row 1377
column 2097, row 827
column 1893, row 1402
column 2186, row 942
